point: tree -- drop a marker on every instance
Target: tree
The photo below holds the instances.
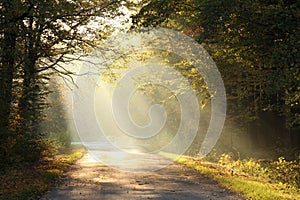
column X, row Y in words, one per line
column 37, row 39
column 260, row 37
column 255, row 45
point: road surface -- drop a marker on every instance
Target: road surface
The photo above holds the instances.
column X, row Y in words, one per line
column 91, row 180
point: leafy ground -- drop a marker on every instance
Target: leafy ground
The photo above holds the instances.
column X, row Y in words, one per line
column 31, row 182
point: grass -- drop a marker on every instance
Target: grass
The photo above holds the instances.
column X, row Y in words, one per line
column 32, row 181
column 249, row 186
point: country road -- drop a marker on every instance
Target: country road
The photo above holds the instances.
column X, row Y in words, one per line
column 89, row 179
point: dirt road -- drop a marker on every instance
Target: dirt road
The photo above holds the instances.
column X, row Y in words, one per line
column 88, row 179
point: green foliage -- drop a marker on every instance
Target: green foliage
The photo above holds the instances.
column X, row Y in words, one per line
column 37, row 39
column 250, row 187
column 286, row 172
column 19, row 150
column 257, row 39
column 255, row 45
column 282, row 172
column 243, row 167
column 155, row 93
column 61, row 140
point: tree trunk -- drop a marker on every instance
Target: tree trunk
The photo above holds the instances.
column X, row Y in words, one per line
column 30, row 87
column 6, row 79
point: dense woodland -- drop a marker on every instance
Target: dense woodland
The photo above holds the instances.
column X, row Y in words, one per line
column 255, row 44
column 37, row 39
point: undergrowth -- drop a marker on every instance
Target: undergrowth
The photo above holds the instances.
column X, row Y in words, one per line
column 282, row 172
column 255, row 179
column 30, row 182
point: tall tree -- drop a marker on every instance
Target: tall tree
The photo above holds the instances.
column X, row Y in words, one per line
column 262, row 38
column 8, row 37
column 254, row 43
column 37, row 38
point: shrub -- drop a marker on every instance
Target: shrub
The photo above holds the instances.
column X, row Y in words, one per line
column 243, row 167
column 61, row 139
column 286, row 172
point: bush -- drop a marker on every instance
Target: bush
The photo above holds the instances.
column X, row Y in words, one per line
column 286, row 173
column 61, row 140
column 7, row 152
column 243, row 167
column 33, row 150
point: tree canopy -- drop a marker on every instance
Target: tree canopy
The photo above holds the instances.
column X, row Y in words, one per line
column 255, row 45
column 37, row 39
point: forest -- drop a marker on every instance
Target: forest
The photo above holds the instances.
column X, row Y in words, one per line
column 255, row 45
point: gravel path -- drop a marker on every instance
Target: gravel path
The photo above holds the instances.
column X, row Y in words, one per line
column 91, row 180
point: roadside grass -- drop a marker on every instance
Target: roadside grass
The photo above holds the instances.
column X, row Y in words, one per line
column 31, row 182
column 250, row 186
